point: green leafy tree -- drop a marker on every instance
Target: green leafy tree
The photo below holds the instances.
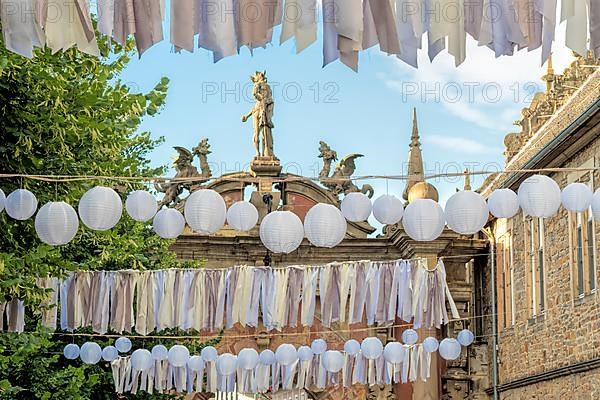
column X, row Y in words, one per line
column 69, row 114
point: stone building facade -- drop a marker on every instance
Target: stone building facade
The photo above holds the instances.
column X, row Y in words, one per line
column 548, row 305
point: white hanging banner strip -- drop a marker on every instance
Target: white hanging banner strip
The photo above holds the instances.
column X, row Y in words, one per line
column 209, row 299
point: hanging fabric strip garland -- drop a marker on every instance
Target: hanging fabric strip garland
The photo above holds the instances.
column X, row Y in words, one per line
column 210, row 299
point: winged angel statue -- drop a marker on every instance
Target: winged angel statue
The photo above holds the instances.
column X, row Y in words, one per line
column 185, row 169
column 340, row 181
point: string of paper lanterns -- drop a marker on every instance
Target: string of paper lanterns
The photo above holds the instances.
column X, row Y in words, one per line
column 286, row 354
column 466, row 212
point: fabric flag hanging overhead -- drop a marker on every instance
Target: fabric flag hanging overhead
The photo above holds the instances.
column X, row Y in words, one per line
column 349, row 26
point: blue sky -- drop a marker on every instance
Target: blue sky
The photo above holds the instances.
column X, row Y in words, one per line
column 463, row 112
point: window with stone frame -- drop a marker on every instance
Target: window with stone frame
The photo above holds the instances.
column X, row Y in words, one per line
column 583, row 252
column 535, row 262
column 504, row 262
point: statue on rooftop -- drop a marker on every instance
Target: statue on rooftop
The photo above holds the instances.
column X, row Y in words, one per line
column 340, row 181
column 262, row 114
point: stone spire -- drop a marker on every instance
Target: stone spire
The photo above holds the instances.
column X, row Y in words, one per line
column 415, row 158
column 549, row 77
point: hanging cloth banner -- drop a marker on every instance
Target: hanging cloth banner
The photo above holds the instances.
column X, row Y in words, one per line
column 211, row 299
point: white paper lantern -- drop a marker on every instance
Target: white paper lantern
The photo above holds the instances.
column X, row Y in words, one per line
column 388, row 209
column 90, row 353
column 160, row 352
column 100, row 208
column 352, row 347
column 324, row 225
column 267, row 357
column 430, row 344
column 110, row 353
column 242, row 216
column 195, row 363
column 209, row 353
column 450, row 349
column 596, row 205
column 539, row 196
column 226, row 364
column 466, row 212
column 56, row 223
column 423, row 220
column 333, row 361
column 286, row 354
column 356, row 207
column 305, row 353
column 141, row 205
column 281, row 231
column 393, row 352
column 465, row 337
column 577, row 197
column 318, row 346
column 371, row 348
column 247, row 358
column 178, row 355
column 410, row 336
column 71, row 351
column 123, row 344
column 21, row 204
column 503, row 203
column 168, row 223
column 141, row 360
column 2, row 200
column 205, row 211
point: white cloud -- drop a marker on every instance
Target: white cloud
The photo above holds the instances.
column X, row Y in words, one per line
column 460, row 144
column 491, row 91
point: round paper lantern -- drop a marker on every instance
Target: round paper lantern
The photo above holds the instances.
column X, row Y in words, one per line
column 333, row 361
column 596, row 205
column 178, row 355
column 539, row 196
column 2, row 200
column 209, row 353
column 21, row 204
column 305, row 353
column 110, row 353
column 318, row 346
column 356, row 207
column 195, row 363
column 160, row 352
column 281, row 231
column 168, row 223
column 466, row 212
column 450, row 349
column 226, row 364
column 267, row 357
column 242, row 216
column 577, row 197
column 56, row 223
column 423, row 220
column 410, row 336
column 324, row 225
column 371, row 348
column 123, row 344
column 90, row 353
column 503, row 203
column 465, row 337
column 141, row 360
column 388, row 209
column 352, row 347
column 393, row 352
column 100, row 208
column 430, row 344
column 71, row 351
column 205, row 211
column 286, row 354
column 141, row 206
column 248, row 358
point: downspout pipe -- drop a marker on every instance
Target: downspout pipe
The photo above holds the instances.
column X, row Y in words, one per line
column 492, row 240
